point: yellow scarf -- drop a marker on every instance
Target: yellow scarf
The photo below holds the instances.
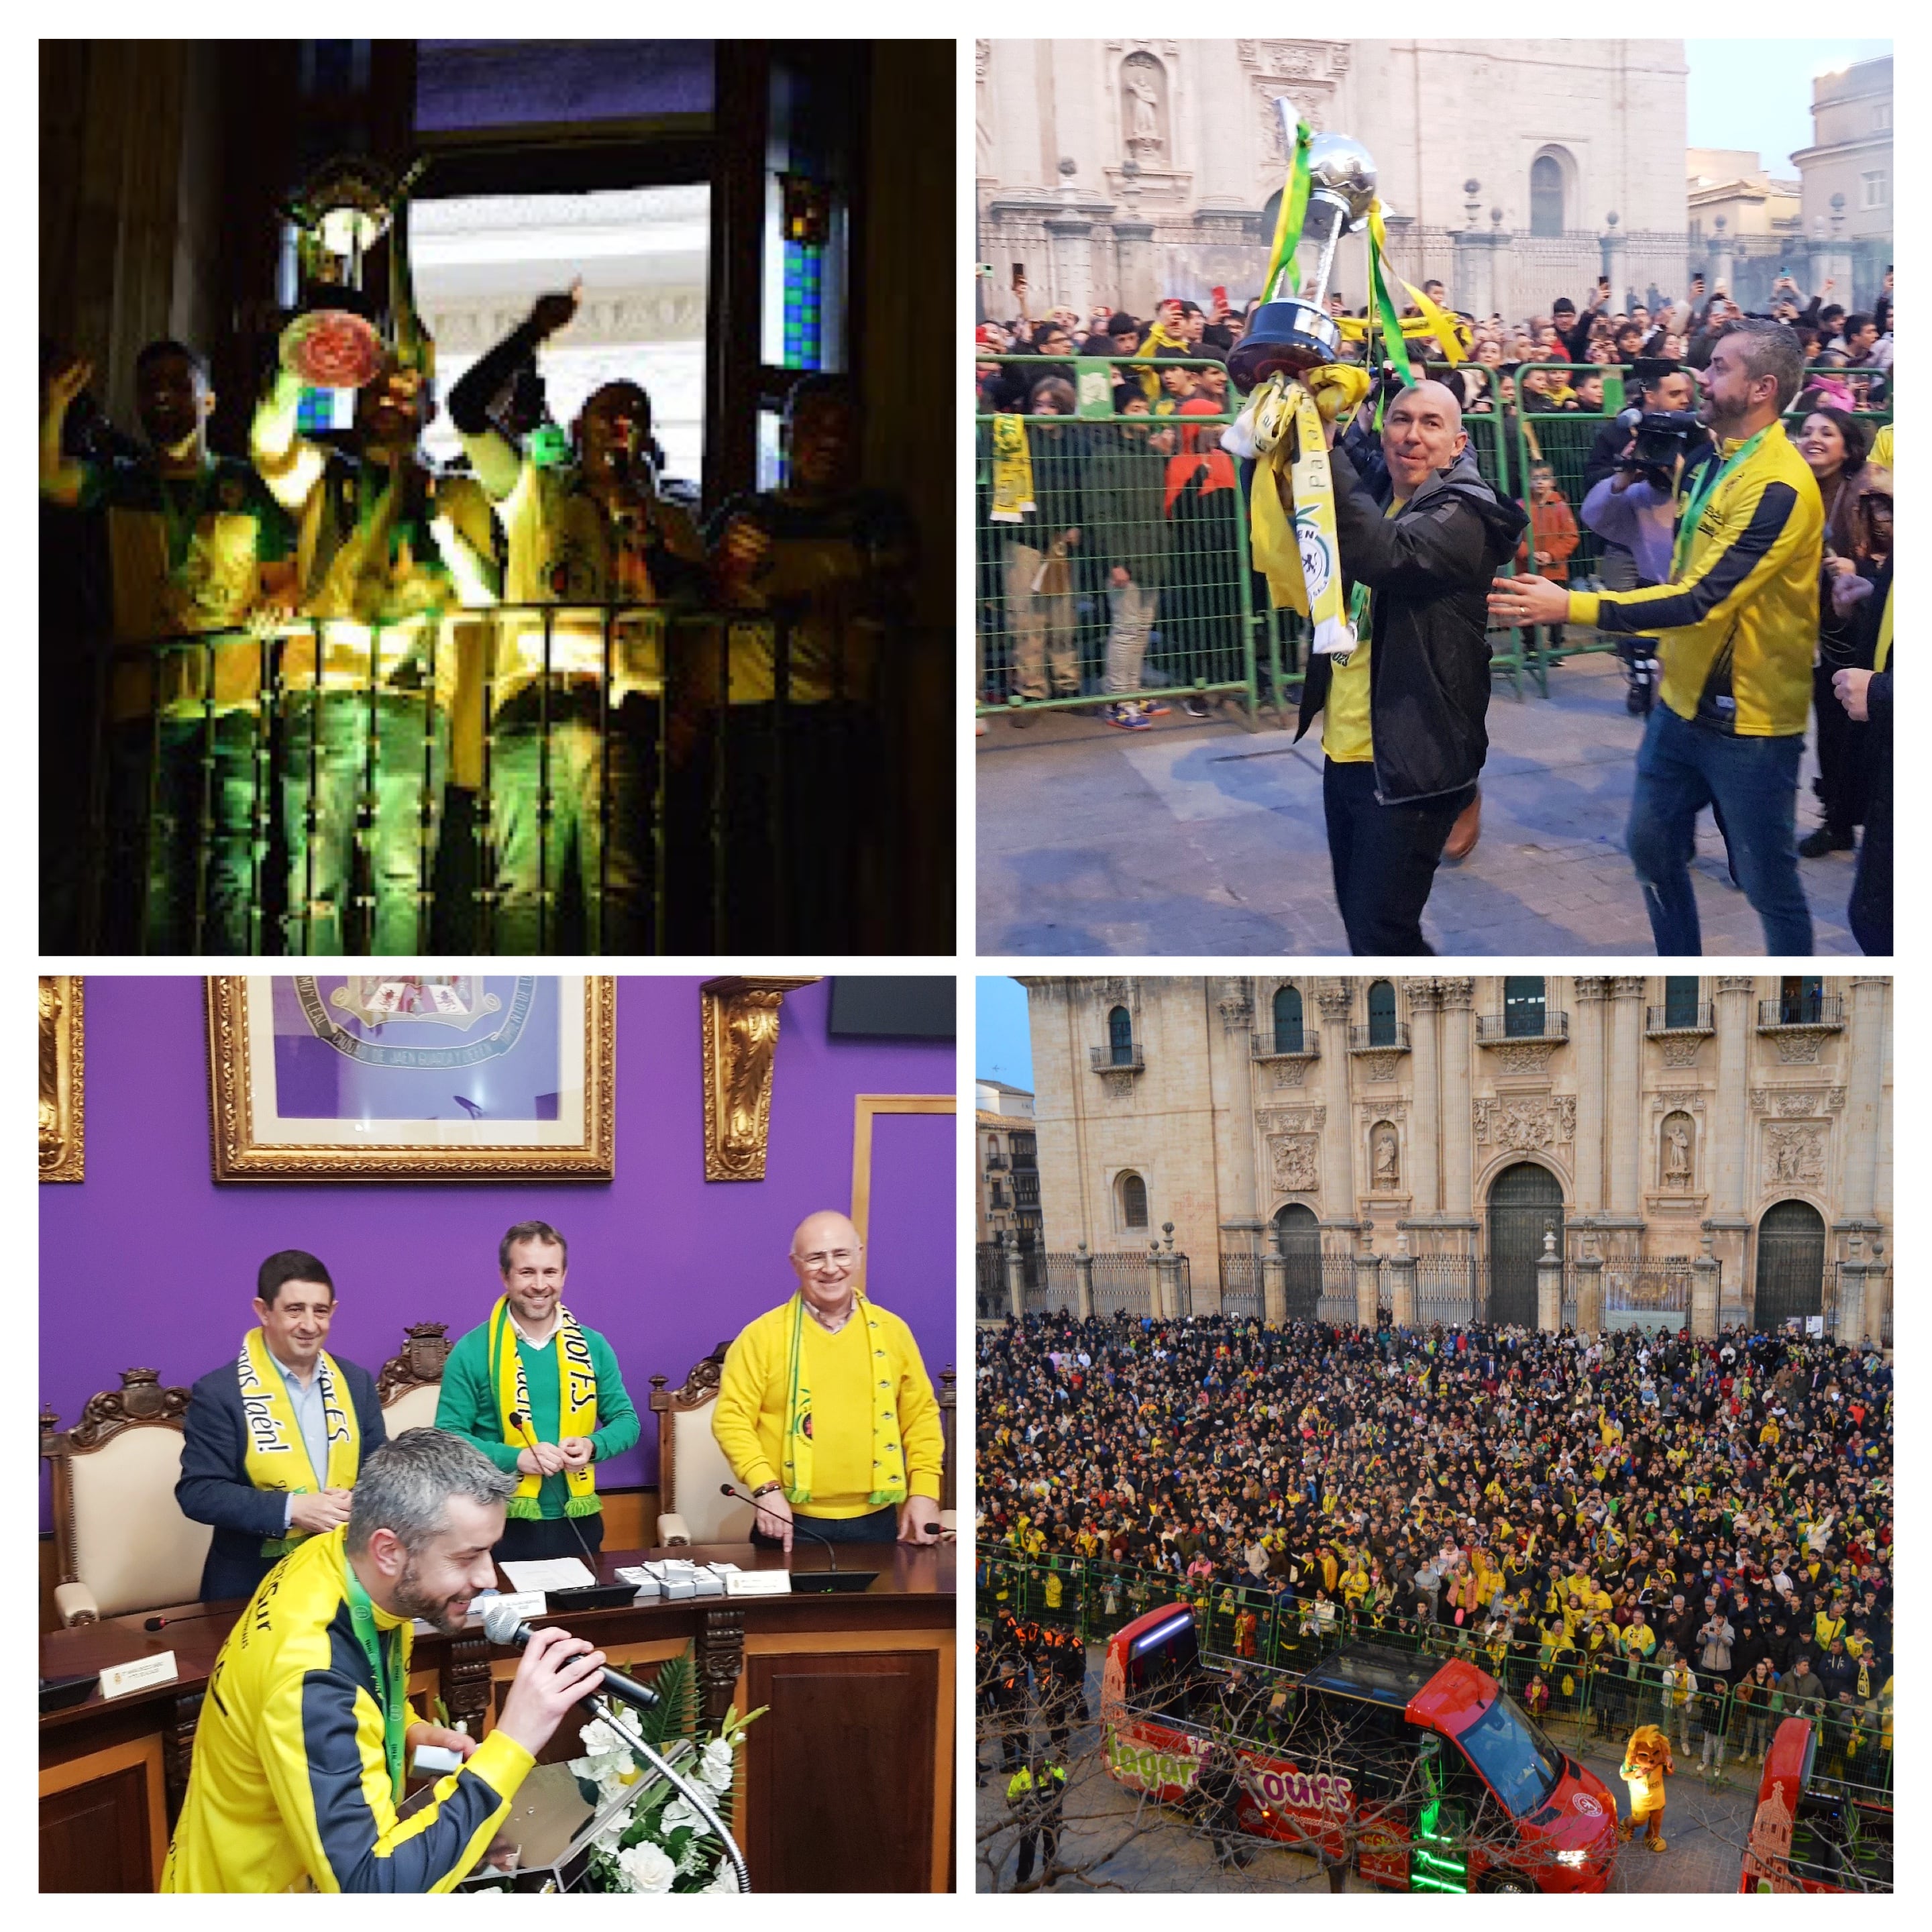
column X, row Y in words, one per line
column 1295, row 541
column 577, row 1404
column 1013, row 470
column 278, row 1456
column 1881, row 656
column 889, row 1478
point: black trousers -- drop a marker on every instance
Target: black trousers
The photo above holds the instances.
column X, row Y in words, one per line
column 880, row 1525
column 533, row 1539
column 1385, row 857
column 1844, row 769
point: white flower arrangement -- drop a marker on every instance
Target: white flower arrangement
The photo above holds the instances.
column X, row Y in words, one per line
column 659, row 1842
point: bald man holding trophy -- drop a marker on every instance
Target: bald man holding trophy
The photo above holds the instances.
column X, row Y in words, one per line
column 1391, row 570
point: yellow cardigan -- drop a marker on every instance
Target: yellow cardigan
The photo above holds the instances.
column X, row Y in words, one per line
column 748, row 1417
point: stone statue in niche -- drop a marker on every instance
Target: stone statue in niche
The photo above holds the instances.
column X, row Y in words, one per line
column 1677, row 1169
column 1388, row 1172
column 1142, row 78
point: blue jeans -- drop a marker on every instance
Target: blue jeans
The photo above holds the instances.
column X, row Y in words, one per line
column 1752, row 782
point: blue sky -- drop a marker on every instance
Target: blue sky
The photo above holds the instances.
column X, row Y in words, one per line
column 1002, row 1048
column 1757, row 93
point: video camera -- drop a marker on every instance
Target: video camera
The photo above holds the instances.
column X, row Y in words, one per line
column 1663, row 435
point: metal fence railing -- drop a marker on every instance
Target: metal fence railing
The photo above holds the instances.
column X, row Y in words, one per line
column 1585, row 1695
column 1241, row 1286
column 1445, row 1288
column 525, row 778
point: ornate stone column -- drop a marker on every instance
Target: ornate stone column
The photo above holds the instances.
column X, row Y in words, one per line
column 1401, row 1283
column 1016, row 1279
column 1473, row 282
column 1734, row 1017
column 1615, row 248
column 1335, row 997
column 1156, row 1284
column 1865, row 1084
column 1704, row 1292
column 1454, row 998
column 1423, row 1142
column 1723, row 266
column 1174, row 1299
column 1274, row 1287
column 1070, row 237
column 1083, row 1278
column 1624, row 1075
column 1592, row 990
column 1589, row 1266
column 1875, row 1280
column 1549, row 1286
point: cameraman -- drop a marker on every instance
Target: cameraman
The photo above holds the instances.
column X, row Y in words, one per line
column 1739, row 620
column 1631, row 481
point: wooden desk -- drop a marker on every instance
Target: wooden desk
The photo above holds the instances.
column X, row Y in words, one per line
column 848, row 1781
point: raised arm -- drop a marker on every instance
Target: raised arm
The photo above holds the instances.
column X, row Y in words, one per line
column 492, row 455
column 62, row 475
column 284, row 458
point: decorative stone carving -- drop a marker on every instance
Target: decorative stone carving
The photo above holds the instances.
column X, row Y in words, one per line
column 1680, row 1049
column 1379, row 1066
column 1678, row 1172
column 1235, row 1006
column 1524, row 1056
column 1118, row 991
column 1453, row 994
column 1592, row 985
column 1289, row 1072
column 1793, row 1154
column 1296, row 1159
column 1387, row 1158
column 1294, row 1120
column 1143, row 107
column 1789, row 1102
column 1536, row 1124
column 1739, row 982
column 1117, row 1082
column 1798, row 1049
column 1337, row 999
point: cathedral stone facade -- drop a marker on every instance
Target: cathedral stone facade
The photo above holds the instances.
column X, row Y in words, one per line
column 1653, row 1139
column 1118, row 171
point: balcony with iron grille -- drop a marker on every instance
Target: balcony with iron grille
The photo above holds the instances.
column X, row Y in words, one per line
column 1805, row 1012
column 1521, row 1029
column 996, row 1163
column 1657, row 1023
column 1379, row 1036
column 1262, row 1046
column 1117, row 1059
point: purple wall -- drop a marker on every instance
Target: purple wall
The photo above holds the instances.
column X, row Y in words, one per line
column 147, row 1264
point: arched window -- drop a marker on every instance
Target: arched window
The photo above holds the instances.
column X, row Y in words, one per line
column 1546, row 196
column 1524, row 1008
column 1133, row 1202
column 1121, row 1037
column 1381, row 1013
column 1680, row 1003
column 1287, row 1020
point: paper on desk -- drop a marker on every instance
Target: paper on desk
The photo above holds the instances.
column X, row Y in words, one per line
column 557, row 1572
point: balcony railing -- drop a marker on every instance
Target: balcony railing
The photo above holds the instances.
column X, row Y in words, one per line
column 1509, row 1029
column 1390, row 1035
column 1117, row 1059
column 1658, row 1020
column 1801, row 1009
column 996, row 1163
column 1261, row 1046
column 524, row 778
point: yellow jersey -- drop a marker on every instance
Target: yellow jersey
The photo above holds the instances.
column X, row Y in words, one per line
column 289, row 1789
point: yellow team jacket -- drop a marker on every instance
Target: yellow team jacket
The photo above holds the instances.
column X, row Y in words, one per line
column 1740, row 627
column 290, row 1789
column 748, row 1417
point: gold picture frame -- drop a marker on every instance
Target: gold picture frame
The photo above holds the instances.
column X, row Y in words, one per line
column 469, row 1019
column 63, row 1083
column 866, row 1107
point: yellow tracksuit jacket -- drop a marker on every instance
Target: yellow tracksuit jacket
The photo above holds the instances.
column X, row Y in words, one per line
column 1739, row 627
column 290, row 1789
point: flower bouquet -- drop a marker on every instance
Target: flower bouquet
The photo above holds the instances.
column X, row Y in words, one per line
column 657, row 1842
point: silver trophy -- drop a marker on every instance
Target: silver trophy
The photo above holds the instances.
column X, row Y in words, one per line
column 1286, row 332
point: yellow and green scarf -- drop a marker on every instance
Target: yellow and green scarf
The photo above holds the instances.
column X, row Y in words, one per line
column 577, row 1404
column 1013, row 470
column 277, row 1457
column 888, row 1453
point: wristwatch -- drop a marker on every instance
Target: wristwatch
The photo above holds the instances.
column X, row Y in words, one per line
column 765, row 1490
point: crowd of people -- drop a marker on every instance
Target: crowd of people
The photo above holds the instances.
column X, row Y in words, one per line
column 1114, row 575
column 310, row 734
column 1701, row 1526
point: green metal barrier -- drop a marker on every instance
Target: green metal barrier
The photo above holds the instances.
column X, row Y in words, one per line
column 1130, row 578
column 1590, row 1704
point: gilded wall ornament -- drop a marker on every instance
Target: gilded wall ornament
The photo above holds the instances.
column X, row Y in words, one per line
column 63, row 1099
column 740, row 1020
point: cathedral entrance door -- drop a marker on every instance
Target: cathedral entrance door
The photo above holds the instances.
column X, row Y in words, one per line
column 1790, row 1264
column 1525, row 1201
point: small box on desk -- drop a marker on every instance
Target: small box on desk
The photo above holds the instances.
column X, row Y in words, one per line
column 828, row 1583
column 589, row 1597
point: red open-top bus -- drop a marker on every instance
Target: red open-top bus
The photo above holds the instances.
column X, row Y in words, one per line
column 1427, row 1770
column 1809, row 1835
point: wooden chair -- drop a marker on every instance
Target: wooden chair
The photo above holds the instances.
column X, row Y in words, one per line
column 121, row 1542
column 410, row 1384
column 690, row 1466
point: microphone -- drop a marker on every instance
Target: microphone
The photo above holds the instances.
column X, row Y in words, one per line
column 798, row 1527
column 521, row 1423
column 186, row 1617
column 501, row 1624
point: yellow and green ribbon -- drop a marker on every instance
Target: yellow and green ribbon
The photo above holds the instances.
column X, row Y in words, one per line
column 1294, row 214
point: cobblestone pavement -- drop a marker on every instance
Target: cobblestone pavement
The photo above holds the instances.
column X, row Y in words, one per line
column 1203, row 838
column 1113, row 1840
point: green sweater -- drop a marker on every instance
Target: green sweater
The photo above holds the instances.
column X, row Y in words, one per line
column 468, row 1405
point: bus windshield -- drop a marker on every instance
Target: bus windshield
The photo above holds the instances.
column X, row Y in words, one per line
column 1521, row 1768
